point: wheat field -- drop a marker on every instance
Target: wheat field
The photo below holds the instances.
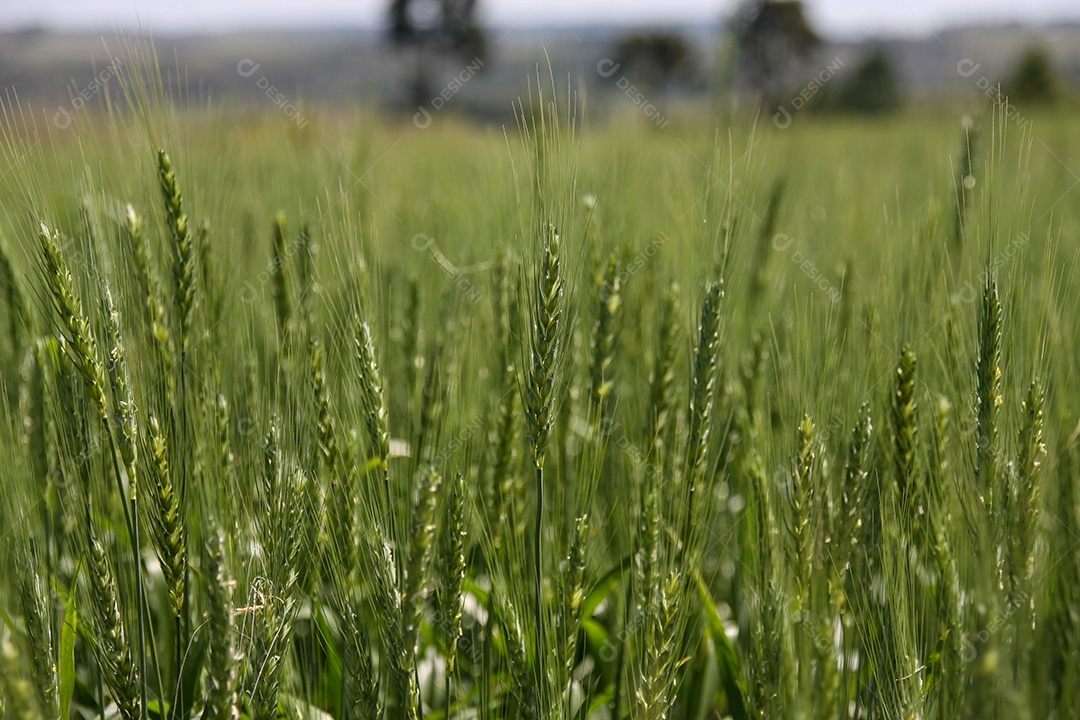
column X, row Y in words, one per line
column 556, row 420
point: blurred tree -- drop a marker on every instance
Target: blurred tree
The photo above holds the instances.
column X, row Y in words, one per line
column 435, row 27
column 1034, row 79
column 658, row 60
column 773, row 41
column 872, row 87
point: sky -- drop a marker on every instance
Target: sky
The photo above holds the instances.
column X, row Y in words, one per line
column 833, row 17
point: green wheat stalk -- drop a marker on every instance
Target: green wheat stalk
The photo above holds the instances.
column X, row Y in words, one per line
column 183, row 251
column 988, row 398
column 221, row 669
column 452, row 569
column 702, row 398
column 546, row 347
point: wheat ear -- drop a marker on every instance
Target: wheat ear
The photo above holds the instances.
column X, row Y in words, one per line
column 413, row 586
column 34, row 598
column 183, row 258
column 77, row 329
column 221, row 678
column 111, row 645
column 702, row 394
column 451, row 576
column 170, row 538
column 546, row 347
column 988, row 397
column 609, row 300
